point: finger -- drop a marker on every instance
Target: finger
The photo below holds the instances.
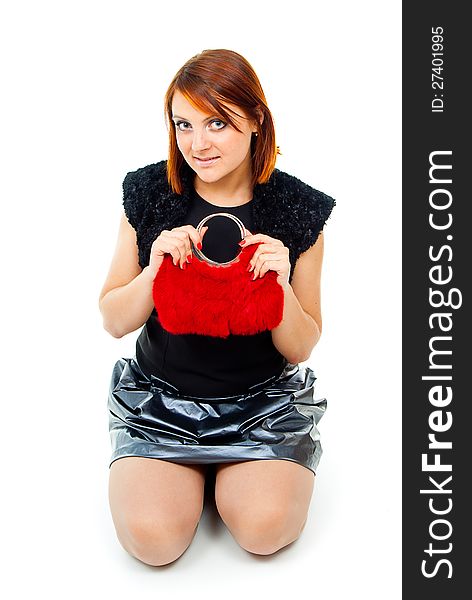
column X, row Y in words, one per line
column 194, row 236
column 268, row 259
column 179, row 237
column 262, row 249
column 259, row 237
column 204, row 230
column 268, row 265
column 247, row 234
column 246, row 239
column 199, row 243
column 181, row 240
column 192, row 233
column 168, row 247
column 180, row 252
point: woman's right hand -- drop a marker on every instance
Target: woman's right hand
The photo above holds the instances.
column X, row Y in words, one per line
column 177, row 243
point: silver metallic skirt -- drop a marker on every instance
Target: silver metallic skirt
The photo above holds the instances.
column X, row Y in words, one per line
column 275, row 419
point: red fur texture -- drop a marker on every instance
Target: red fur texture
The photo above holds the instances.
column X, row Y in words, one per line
column 217, row 300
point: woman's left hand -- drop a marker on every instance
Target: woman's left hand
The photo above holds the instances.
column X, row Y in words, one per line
column 270, row 255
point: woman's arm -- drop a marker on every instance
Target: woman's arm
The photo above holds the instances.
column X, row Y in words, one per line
column 300, row 329
column 126, row 298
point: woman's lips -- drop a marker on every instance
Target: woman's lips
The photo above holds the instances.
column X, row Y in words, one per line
column 207, row 162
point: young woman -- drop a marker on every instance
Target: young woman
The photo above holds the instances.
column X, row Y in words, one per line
column 241, row 404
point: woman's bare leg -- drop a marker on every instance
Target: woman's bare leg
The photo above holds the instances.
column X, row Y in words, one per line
column 156, row 506
column 264, row 503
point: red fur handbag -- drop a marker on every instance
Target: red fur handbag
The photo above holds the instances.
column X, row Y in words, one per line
column 217, row 299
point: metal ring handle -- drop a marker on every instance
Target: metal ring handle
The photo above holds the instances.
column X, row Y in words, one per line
column 200, row 254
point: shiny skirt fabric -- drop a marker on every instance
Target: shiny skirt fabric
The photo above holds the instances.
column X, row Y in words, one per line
column 275, row 419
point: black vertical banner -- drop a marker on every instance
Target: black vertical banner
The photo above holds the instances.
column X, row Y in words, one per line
column 437, row 268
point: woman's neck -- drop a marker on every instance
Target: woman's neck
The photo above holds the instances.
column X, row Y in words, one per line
column 232, row 190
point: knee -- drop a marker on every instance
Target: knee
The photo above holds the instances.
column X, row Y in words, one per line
column 264, row 530
column 157, row 542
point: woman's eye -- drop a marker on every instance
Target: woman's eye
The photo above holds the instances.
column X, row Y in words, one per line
column 185, row 125
column 179, row 123
column 219, row 124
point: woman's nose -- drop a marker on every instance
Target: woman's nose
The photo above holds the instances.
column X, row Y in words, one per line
column 200, row 140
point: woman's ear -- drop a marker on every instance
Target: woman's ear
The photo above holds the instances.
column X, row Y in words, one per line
column 260, row 115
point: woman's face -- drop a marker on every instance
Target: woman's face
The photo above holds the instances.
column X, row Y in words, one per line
column 212, row 147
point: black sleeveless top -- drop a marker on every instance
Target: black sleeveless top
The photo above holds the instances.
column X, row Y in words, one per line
column 203, row 365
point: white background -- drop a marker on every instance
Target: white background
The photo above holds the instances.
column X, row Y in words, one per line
column 83, row 87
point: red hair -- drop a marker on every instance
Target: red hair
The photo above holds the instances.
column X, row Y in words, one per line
column 208, row 80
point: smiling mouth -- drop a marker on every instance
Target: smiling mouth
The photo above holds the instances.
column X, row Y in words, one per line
column 206, row 162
